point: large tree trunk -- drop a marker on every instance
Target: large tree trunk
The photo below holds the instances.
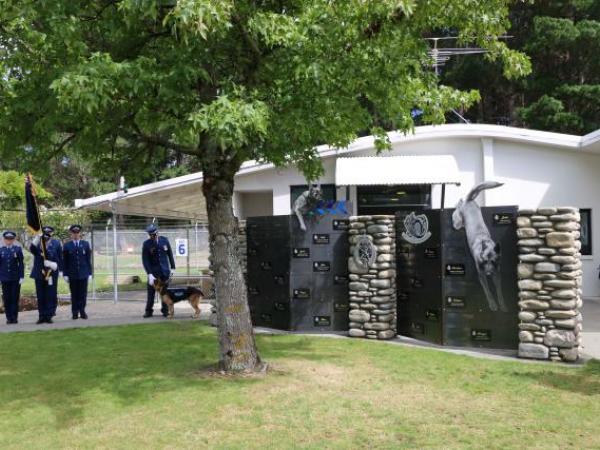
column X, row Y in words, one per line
column 236, row 339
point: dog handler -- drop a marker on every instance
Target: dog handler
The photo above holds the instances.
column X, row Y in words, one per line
column 12, row 274
column 77, row 257
column 158, row 261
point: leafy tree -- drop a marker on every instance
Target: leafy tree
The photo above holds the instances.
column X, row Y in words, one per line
column 563, row 40
column 12, row 193
column 226, row 81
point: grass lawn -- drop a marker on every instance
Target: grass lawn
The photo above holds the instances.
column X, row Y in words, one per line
column 141, row 386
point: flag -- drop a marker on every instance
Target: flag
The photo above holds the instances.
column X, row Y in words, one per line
column 34, row 222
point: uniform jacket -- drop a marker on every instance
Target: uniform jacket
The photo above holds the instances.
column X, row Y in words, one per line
column 53, row 253
column 12, row 267
column 77, row 260
column 157, row 257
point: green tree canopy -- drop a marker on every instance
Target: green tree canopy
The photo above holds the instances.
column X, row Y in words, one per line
column 561, row 94
column 12, row 190
column 225, row 81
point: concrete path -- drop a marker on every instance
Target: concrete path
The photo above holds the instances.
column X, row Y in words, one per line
column 101, row 313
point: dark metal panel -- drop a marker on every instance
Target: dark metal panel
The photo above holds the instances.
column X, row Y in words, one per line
column 419, row 289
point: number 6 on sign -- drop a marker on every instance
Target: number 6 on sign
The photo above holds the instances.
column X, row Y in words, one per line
column 181, row 247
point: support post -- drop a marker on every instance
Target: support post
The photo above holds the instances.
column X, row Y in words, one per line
column 115, row 268
column 443, row 203
column 187, row 231
column 93, row 264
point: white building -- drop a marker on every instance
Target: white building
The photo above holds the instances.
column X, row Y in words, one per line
column 537, row 169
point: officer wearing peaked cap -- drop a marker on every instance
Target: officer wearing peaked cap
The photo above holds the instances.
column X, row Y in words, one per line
column 77, row 262
column 12, row 274
column 45, row 286
column 157, row 258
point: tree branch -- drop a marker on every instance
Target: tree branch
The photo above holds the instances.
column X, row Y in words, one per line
column 161, row 141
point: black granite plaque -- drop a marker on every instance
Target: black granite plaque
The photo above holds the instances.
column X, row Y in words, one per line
column 266, row 265
column 340, row 224
column 301, row 252
column 455, row 270
column 340, row 306
column 432, row 315
column 416, row 282
column 431, row 253
column 340, row 279
column 418, row 328
column 301, row 293
column 503, row 218
column 280, row 306
column 321, row 266
column 402, row 296
column 322, row 321
column 279, row 279
column 453, row 301
column 481, row 335
column 253, row 290
column 266, row 318
column 252, row 251
column 320, row 239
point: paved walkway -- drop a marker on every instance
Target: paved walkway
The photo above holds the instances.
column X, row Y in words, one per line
column 101, row 313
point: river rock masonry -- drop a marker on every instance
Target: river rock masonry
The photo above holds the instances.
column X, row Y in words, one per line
column 550, row 274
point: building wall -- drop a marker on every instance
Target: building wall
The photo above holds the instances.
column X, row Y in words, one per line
column 533, row 175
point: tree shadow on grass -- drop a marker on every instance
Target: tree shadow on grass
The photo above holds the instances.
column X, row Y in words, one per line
column 69, row 371
column 582, row 380
column 299, row 347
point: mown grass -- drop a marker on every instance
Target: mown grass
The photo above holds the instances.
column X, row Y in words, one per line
column 143, row 386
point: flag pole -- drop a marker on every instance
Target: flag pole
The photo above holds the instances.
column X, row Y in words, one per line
column 46, row 272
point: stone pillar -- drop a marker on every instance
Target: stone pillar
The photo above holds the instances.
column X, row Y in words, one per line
column 373, row 289
column 549, row 283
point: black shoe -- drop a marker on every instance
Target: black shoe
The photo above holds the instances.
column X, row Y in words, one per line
column 146, row 315
column 40, row 321
column 75, row 317
column 84, row 316
column 165, row 314
column 49, row 320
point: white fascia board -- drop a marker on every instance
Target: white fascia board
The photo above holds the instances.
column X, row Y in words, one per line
column 588, row 142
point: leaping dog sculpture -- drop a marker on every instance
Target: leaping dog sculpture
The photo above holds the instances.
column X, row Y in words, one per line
column 485, row 252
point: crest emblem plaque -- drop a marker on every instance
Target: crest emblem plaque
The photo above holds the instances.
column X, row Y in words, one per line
column 365, row 253
column 416, row 228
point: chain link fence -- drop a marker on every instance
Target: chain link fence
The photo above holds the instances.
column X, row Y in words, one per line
column 118, row 256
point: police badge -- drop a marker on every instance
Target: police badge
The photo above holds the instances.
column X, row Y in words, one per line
column 416, row 228
column 365, row 253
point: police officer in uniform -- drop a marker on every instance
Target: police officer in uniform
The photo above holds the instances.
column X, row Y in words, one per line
column 45, row 287
column 77, row 264
column 157, row 258
column 12, row 274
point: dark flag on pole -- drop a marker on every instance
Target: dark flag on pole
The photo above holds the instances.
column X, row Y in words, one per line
column 34, row 222
column 32, row 212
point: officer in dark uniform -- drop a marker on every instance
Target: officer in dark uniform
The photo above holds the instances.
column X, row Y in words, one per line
column 157, row 258
column 45, row 287
column 77, row 263
column 12, row 274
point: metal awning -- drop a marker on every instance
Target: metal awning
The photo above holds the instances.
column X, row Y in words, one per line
column 177, row 198
column 390, row 170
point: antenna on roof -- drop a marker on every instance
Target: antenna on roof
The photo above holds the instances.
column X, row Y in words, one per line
column 441, row 55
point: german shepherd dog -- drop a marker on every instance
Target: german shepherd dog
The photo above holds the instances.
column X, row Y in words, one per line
column 485, row 252
column 171, row 296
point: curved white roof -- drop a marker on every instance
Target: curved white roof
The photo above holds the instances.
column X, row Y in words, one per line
column 181, row 197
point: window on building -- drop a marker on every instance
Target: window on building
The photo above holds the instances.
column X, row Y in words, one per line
column 389, row 199
column 328, row 190
column 586, row 231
